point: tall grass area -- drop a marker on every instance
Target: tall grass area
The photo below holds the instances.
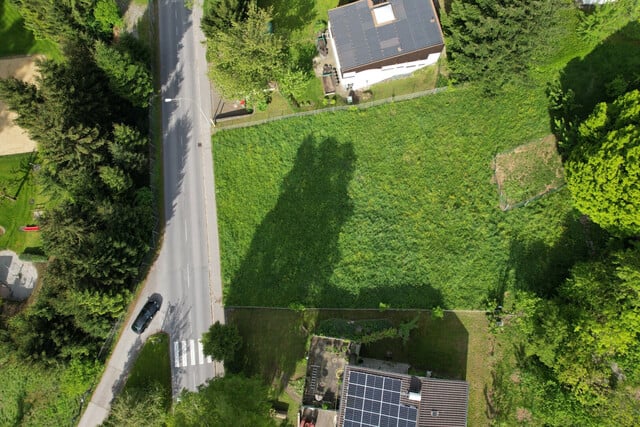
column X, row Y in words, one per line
column 390, row 205
column 18, row 198
column 17, row 40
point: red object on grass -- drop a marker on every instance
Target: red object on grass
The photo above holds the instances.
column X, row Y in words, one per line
column 30, row 228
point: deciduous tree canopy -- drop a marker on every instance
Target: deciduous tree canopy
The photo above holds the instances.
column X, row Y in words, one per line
column 589, row 336
column 227, row 401
column 246, row 57
column 221, row 342
column 603, row 170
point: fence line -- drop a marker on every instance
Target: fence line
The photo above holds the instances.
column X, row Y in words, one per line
column 245, row 307
column 362, row 106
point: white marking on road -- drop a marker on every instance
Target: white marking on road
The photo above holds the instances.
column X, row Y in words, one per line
column 193, row 353
column 176, row 352
column 200, row 353
column 186, row 238
column 184, row 353
column 188, row 278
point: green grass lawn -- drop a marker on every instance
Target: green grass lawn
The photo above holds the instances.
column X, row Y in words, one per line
column 16, row 40
column 455, row 347
column 392, row 204
column 152, row 368
column 17, row 182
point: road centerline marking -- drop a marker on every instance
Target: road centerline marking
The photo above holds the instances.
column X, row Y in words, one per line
column 184, row 354
column 176, row 353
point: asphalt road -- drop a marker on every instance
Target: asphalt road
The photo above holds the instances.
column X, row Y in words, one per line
column 186, row 274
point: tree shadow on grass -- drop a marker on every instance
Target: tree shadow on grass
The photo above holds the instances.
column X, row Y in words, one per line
column 16, row 39
column 290, row 15
column 274, row 340
column 540, row 268
column 295, row 248
column 607, row 72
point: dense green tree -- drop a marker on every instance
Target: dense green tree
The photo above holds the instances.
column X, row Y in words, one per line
column 127, row 77
column 127, row 149
column 246, row 57
column 218, row 15
column 221, row 342
column 46, row 19
column 491, row 40
column 603, row 170
column 107, row 16
column 225, row 401
column 589, row 335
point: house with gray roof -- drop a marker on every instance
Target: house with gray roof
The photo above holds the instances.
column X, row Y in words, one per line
column 376, row 40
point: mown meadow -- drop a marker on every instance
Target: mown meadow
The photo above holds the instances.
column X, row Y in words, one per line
column 19, row 197
column 391, row 205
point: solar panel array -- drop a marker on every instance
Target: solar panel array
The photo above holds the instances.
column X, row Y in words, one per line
column 374, row 401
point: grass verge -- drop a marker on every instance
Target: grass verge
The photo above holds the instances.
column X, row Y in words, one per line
column 152, row 368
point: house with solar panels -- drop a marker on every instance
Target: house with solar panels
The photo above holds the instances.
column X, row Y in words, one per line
column 373, row 398
column 376, row 40
column 346, row 390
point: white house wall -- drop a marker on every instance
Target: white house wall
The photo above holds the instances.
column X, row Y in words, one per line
column 364, row 79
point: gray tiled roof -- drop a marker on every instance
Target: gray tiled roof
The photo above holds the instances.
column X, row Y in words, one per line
column 359, row 42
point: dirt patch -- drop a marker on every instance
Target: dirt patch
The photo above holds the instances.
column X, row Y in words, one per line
column 17, row 278
column 2, row 230
column 528, row 172
column 14, row 139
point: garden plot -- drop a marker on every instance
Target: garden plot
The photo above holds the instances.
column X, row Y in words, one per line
column 528, row 172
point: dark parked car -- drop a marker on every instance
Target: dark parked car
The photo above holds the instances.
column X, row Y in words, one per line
column 146, row 314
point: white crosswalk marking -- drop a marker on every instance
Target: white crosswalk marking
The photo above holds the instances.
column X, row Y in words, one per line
column 193, row 352
column 200, row 353
column 189, row 353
